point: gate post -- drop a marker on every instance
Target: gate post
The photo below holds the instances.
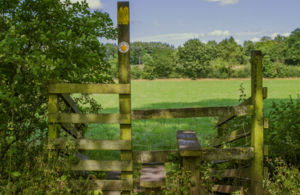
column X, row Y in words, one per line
column 124, row 78
column 53, row 132
column 257, row 123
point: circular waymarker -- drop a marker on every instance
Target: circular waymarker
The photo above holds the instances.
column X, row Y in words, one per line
column 123, row 47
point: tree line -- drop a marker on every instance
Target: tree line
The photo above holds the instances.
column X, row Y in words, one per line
column 195, row 59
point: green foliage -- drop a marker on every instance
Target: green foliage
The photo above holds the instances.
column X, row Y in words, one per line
column 136, row 72
column 195, row 57
column 113, row 61
column 285, row 179
column 268, row 67
column 38, row 45
column 283, row 133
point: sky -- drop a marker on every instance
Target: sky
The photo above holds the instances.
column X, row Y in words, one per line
column 177, row 21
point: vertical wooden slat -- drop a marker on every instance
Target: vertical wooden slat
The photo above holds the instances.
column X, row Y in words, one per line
column 53, row 131
column 257, row 123
column 189, row 164
column 124, row 78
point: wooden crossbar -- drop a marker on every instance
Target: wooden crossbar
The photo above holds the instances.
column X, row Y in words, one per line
column 57, row 88
column 238, row 153
column 152, row 156
column 113, row 185
column 224, row 119
column 230, row 189
column 235, row 135
column 96, row 165
column 192, row 112
column 89, row 118
column 91, row 144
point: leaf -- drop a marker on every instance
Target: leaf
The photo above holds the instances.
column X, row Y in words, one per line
column 10, row 139
column 61, row 34
column 16, row 174
column 64, row 177
column 69, row 32
column 92, row 21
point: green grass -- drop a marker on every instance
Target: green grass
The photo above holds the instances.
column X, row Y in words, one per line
column 161, row 134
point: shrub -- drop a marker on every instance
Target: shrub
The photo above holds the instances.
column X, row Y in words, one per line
column 136, row 73
column 268, row 67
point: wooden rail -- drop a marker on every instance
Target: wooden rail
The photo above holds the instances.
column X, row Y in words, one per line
column 192, row 112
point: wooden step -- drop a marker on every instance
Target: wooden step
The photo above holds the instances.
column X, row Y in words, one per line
column 153, row 175
column 230, row 189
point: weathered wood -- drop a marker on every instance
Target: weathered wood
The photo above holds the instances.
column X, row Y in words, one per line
column 152, row 156
column 69, row 102
column 81, row 157
column 53, row 131
column 238, row 134
column 266, row 150
column 243, row 173
column 266, row 123
column 192, row 112
column 152, row 176
column 56, row 88
column 189, row 164
column 113, row 175
column 70, row 129
column 124, row 78
column 188, row 143
column 96, row 165
column 113, row 185
column 257, row 123
column 89, row 118
column 91, row 144
column 216, row 154
column 266, row 172
column 231, row 189
column 224, row 119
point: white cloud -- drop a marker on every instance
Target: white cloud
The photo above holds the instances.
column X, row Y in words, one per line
column 225, row 2
column 238, row 41
column 255, row 39
column 286, row 34
column 163, row 38
column 219, row 33
column 247, row 33
column 180, row 23
column 156, row 23
column 93, row 4
column 274, row 35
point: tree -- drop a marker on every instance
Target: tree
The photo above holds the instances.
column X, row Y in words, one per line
column 111, row 50
column 248, row 47
column 292, row 48
column 40, row 42
column 195, row 58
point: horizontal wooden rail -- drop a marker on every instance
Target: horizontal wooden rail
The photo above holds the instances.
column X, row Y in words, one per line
column 113, row 185
column 224, row 119
column 152, row 156
column 238, row 153
column 242, row 173
column 91, row 144
column 96, row 165
column 192, row 112
column 231, row 189
column 89, row 118
column 235, row 135
column 89, row 88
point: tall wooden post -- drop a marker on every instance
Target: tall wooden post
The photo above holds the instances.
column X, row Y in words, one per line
column 53, row 132
column 124, row 78
column 257, row 123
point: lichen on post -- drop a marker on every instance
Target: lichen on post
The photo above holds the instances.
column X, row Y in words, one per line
column 124, row 78
column 257, row 123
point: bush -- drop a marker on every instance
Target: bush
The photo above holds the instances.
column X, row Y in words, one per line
column 292, row 71
column 136, row 73
column 268, row 67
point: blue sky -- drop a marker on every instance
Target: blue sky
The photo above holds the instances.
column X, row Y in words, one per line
column 177, row 21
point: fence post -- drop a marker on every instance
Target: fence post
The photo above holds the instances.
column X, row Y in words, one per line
column 124, row 78
column 53, row 131
column 257, row 123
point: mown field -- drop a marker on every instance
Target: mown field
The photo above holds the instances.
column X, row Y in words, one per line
column 160, row 134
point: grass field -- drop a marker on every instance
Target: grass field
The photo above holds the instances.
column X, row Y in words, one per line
column 160, row 134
